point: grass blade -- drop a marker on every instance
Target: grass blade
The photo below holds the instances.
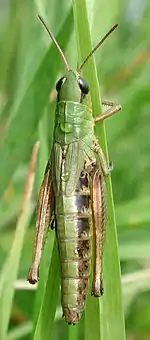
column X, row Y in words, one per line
column 12, row 264
column 104, row 317
column 50, row 300
column 20, row 331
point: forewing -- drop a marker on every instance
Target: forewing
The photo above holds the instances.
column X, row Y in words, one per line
column 44, row 212
column 74, row 164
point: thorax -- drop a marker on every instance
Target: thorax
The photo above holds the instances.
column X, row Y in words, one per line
column 73, row 121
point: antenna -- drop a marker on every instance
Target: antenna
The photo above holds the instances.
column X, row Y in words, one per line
column 98, row 45
column 55, row 42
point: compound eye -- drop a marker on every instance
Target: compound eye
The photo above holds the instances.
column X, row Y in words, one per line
column 60, row 83
column 84, row 87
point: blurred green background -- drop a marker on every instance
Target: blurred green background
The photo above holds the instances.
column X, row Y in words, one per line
column 29, row 68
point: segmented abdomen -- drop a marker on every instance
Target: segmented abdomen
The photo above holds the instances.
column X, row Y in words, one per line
column 73, row 228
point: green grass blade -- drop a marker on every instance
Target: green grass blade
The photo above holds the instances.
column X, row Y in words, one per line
column 12, row 264
column 73, row 332
column 50, row 299
column 20, row 331
column 104, row 317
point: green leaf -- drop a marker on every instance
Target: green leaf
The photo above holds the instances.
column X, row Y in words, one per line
column 104, row 317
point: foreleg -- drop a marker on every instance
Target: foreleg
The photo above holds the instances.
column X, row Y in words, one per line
column 113, row 108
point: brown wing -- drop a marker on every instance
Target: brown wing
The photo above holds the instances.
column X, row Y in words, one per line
column 44, row 213
column 99, row 225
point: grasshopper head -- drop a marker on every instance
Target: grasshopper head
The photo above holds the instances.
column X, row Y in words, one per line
column 72, row 87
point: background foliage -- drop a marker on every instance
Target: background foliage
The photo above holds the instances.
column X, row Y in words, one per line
column 29, row 68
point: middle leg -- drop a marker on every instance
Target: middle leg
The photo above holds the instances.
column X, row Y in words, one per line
column 105, row 168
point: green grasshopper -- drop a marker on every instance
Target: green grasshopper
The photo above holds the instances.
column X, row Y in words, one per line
column 73, row 191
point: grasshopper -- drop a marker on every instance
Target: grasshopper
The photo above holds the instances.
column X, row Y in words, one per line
column 73, row 190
